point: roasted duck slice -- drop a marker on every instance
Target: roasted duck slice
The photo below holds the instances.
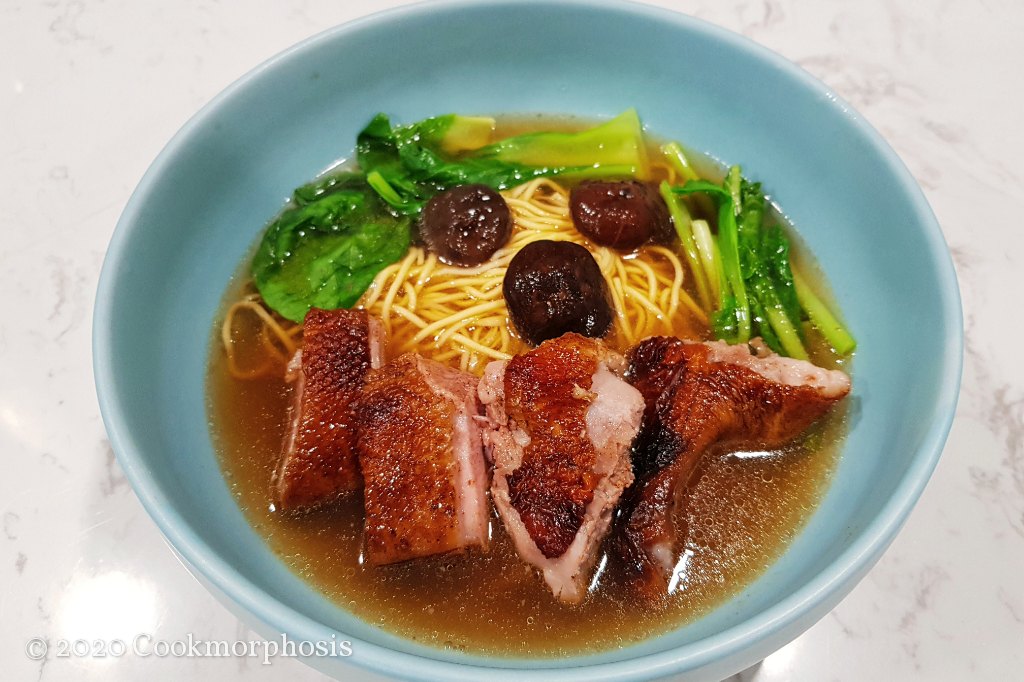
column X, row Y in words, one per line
column 698, row 396
column 422, row 461
column 318, row 462
column 560, row 421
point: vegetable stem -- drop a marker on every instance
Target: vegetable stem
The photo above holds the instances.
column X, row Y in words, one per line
column 728, row 244
column 822, row 318
column 618, row 142
column 756, row 295
column 707, row 248
column 409, row 164
column 375, row 180
column 785, row 330
column 676, row 158
column 733, row 183
column 467, row 132
column 684, row 228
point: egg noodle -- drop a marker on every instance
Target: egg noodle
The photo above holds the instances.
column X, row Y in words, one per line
column 457, row 315
column 277, row 339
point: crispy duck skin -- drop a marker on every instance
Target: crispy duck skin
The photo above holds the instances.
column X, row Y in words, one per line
column 699, row 396
column 422, row 460
column 559, row 424
column 318, row 461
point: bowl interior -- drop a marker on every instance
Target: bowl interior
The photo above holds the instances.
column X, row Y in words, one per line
column 208, row 196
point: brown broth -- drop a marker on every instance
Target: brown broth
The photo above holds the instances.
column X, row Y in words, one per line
column 742, row 512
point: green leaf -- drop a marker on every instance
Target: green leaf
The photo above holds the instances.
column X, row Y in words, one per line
column 724, row 321
column 410, row 164
column 760, row 321
column 776, row 322
column 728, row 244
column 706, row 186
column 750, row 217
column 325, row 253
column 326, row 184
column 758, row 296
column 775, row 254
column 618, row 142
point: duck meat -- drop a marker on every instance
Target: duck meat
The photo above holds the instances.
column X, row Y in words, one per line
column 422, row 461
column 559, row 424
column 700, row 396
column 318, row 462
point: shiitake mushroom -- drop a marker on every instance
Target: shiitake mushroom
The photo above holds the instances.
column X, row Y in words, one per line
column 554, row 287
column 466, row 224
column 622, row 215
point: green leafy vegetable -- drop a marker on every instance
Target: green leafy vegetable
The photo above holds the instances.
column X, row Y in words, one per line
column 759, row 292
column 341, row 230
column 617, row 143
column 765, row 265
column 710, row 259
column 775, row 258
column 731, row 321
column 756, row 289
column 683, row 223
column 327, row 184
column 734, row 184
column 407, row 165
column 673, row 152
column 327, row 248
column 834, row 332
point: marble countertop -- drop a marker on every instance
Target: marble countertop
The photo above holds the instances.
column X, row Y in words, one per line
column 90, row 91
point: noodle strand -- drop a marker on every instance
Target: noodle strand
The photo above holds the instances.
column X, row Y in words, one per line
column 458, row 315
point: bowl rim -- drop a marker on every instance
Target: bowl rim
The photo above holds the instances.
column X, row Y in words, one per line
column 831, row 582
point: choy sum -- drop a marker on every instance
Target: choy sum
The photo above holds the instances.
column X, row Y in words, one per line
column 407, row 165
column 325, row 250
column 340, row 231
column 759, row 294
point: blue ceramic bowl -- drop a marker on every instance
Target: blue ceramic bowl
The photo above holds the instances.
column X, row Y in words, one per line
column 205, row 199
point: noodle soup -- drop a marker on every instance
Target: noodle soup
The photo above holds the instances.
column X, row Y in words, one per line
column 742, row 509
column 458, row 315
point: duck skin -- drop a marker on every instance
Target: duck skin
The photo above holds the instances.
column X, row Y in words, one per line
column 700, row 396
column 560, row 420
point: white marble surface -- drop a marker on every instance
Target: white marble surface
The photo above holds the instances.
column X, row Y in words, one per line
column 91, row 90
